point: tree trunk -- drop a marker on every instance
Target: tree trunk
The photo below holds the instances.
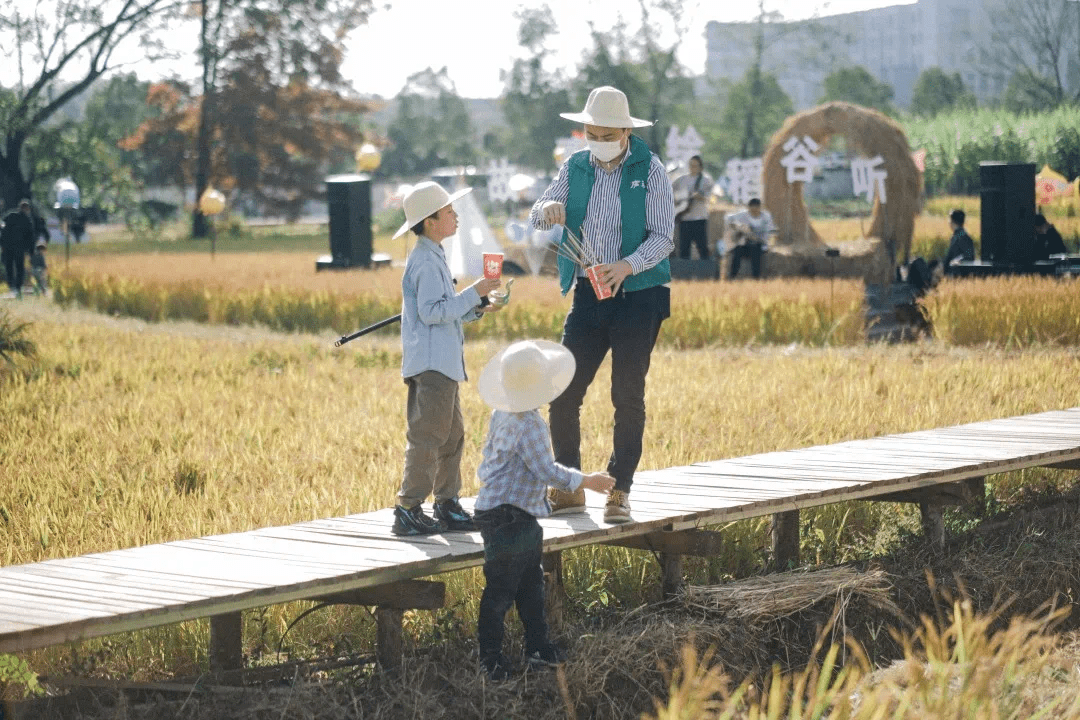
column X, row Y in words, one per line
column 13, row 184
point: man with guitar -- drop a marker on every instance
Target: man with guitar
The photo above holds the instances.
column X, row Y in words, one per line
column 692, row 208
column 750, row 230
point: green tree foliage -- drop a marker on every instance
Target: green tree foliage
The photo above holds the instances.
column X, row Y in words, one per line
column 936, row 91
column 648, row 72
column 855, row 84
column 1033, row 43
column 534, row 96
column 430, row 129
column 1030, row 92
column 725, row 133
column 44, row 42
column 282, row 114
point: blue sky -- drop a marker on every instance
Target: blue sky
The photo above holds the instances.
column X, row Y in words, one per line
column 475, row 39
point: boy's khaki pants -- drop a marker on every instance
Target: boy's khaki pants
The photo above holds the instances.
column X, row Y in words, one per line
column 435, row 439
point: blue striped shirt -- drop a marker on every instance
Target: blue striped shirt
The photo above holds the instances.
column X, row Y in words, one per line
column 518, row 464
column 603, row 217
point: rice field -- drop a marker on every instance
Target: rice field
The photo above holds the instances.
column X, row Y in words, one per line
column 177, row 429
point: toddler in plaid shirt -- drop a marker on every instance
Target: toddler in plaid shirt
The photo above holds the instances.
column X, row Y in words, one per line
column 517, row 468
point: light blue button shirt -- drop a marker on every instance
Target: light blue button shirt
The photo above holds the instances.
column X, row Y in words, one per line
column 432, row 314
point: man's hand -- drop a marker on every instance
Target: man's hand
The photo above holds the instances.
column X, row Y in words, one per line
column 613, row 275
column 485, row 285
column 553, row 213
column 491, row 307
column 599, row 482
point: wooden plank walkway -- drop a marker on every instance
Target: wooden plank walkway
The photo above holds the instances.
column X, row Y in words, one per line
column 62, row 600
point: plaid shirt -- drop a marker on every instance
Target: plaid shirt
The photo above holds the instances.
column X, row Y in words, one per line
column 518, row 464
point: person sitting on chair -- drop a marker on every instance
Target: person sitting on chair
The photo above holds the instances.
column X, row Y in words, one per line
column 1048, row 240
column 750, row 230
column 961, row 246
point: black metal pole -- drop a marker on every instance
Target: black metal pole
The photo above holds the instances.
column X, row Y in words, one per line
column 370, row 328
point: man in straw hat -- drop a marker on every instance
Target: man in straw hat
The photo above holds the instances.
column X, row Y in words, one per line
column 615, row 203
column 433, row 363
column 516, row 470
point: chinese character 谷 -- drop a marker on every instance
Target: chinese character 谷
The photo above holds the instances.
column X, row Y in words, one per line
column 800, row 160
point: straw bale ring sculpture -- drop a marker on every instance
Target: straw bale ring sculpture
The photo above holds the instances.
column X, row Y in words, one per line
column 799, row 248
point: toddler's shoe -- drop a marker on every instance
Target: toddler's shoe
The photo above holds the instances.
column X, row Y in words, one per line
column 453, row 516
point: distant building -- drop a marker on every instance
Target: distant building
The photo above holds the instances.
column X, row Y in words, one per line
column 895, row 44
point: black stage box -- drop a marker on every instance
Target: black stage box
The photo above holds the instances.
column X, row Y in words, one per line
column 348, row 198
column 1007, row 225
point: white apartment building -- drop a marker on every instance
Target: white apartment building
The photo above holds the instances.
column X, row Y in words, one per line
column 895, row 44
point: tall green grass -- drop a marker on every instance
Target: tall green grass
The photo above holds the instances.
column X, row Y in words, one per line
column 957, row 142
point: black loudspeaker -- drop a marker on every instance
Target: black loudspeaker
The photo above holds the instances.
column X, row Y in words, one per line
column 348, row 198
column 1007, row 225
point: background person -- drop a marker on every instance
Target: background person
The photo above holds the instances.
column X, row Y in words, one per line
column 432, row 364
column 39, row 269
column 16, row 240
column 750, row 230
column 691, row 193
column 516, row 470
column 961, row 246
column 1048, row 240
column 616, row 196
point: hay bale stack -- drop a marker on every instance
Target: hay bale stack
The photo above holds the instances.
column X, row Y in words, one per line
column 870, row 133
column 867, row 258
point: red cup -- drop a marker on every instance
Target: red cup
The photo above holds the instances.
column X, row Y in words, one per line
column 493, row 265
column 603, row 292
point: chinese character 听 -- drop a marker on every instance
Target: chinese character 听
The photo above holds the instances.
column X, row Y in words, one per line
column 867, row 175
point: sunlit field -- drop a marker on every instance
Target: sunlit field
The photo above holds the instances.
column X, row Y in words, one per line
column 175, row 430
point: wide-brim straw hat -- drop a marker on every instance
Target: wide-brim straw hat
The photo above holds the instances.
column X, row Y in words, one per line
column 607, row 107
column 526, row 375
column 424, row 200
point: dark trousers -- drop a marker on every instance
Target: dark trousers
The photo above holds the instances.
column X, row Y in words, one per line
column 693, row 231
column 626, row 324
column 513, row 545
column 15, row 268
column 752, row 250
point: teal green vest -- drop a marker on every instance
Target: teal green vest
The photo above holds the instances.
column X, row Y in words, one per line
column 632, row 191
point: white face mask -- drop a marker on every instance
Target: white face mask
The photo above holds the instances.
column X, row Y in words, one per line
column 605, row 151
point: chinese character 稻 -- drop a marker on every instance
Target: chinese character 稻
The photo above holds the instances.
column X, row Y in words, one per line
column 744, row 180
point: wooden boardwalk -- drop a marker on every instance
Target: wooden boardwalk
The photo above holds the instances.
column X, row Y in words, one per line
column 63, row 600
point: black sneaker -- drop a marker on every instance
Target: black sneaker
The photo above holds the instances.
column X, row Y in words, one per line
column 453, row 516
column 548, row 656
column 496, row 666
column 414, row 521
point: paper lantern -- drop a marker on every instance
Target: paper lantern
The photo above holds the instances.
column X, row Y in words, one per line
column 368, row 158
column 212, row 202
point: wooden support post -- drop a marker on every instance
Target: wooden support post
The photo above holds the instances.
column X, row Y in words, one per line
column 388, row 632
column 975, row 488
column 554, row 590
column 933, row 524
column 671, row 574
column 226, row 642
column 785, row 540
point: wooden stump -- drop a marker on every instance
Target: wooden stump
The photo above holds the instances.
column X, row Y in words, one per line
column 785, row 540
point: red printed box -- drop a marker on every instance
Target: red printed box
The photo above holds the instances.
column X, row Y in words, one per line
column 603, row 292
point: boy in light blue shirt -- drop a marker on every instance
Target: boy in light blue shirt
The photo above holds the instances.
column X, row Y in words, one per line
column 432, row 365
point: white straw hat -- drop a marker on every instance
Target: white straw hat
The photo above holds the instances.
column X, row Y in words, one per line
column 424, row 200
column 526, row 375
column 607, row 107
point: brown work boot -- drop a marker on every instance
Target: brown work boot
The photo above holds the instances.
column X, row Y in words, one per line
column 617, row 509
column 563, row 502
